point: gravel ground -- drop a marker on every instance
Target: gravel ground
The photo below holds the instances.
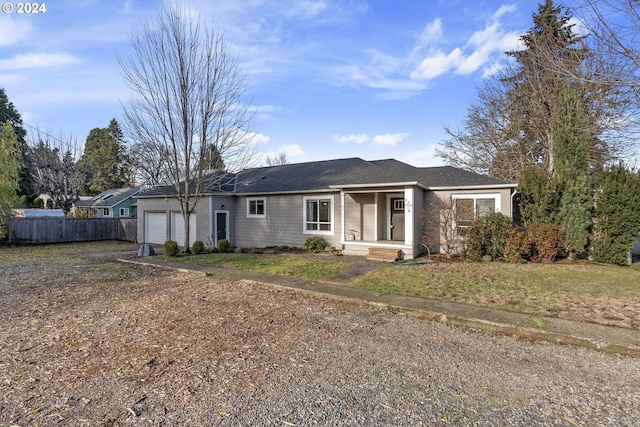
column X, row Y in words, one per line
column 395, row 370
column 119, row 345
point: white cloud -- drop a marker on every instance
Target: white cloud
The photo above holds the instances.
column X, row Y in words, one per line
column 257, row 138
column 358, row 138
column 482, row 50
column 438, row 64
column 291, row 150
column 37, row 60
column 432, row 32
column 424, row 157
column 391, row 139
column 306, row 9
column 13, row 31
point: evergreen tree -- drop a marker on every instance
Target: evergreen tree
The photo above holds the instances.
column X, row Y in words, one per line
column 536, row 197
column 102, row 164
column 9, row 173
column 617, row 224
column 9, row 114
column 509, row 129
column 572, row 175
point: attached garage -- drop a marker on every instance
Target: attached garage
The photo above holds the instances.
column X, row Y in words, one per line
column 155, row 227
column 177, row 228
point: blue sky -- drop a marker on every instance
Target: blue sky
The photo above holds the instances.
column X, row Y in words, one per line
column 329, row 79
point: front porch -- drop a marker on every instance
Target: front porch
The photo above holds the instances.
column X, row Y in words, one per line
column 380, row 222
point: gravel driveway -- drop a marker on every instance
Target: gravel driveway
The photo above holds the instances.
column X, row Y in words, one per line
column 85, row 341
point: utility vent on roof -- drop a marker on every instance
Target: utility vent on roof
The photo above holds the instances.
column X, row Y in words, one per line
column 107, row 196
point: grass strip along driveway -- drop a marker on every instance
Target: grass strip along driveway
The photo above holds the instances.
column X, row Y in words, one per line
column 589, row 292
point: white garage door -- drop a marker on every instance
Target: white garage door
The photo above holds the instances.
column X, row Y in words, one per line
column 177, row 228
column 155, row 227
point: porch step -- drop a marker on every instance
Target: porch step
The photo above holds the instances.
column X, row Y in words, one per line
column 383, row 254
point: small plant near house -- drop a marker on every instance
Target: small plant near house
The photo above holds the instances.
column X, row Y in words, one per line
column 538, row 243
column 223, row 245
column 488, row 235
column 315, row 244
column 198, row 247
column 171, row 248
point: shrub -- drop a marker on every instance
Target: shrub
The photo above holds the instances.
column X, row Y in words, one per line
column 488, row 235
column 224, row 245
column 198, row 247
column 315, row 244
column 171, row 248
column 519, row 247
column 546, row 240
column 539, row 243
column 617, row 210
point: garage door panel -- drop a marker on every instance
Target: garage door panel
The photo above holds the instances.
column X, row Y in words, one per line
column 155, row 224
column 177, row 228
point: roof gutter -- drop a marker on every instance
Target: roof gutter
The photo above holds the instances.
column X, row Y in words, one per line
column 472, row 187
column 384, row 184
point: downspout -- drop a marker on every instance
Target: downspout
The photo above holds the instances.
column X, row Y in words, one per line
column 515, row 191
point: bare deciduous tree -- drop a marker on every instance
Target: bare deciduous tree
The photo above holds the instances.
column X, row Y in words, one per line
column 187, row 100
column 442, row 220
column 280, row 159
column 53, row 168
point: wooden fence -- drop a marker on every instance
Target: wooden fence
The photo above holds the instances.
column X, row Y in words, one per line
column 57, row 230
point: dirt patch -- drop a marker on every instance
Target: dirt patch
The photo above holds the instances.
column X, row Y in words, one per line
column 88, row 339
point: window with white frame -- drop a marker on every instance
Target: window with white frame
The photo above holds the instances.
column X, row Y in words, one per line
column 106, row 212
column 124, row 212
column 318, row 215
column 468, row 207
column 256, row 208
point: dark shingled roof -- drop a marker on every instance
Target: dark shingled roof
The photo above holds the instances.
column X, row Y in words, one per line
column 354, row 172
column 328, row 174
column 108, row 198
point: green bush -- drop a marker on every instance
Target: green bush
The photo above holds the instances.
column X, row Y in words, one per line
column 224, row 245
column 171, row 248
column 617, row 213
column 198, row 247
column 315, row 244
column 488, row 235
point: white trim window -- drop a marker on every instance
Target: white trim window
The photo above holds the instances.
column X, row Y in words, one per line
column 124, row 212
column 256, row 207
column 468, row 207
column 318, row 215
column 106, row 212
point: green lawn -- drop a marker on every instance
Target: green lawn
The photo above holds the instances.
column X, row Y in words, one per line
column 285, row 264
column 591, row 292
column 582, row 291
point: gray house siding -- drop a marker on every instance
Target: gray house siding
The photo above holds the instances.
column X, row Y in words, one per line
column 360, row 210
column 283, row 222
column 431, row 220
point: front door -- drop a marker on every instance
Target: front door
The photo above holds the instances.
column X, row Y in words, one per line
column 397, row 219
column 222, row 226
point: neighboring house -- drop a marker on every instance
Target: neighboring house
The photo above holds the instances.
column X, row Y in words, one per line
column 353, row 204
column 113, row 203
column 37, row 213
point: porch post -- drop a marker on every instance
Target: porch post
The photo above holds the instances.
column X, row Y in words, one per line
column 342, row 228
column 409, row 211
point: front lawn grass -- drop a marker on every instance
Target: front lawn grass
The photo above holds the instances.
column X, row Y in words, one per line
column 284, row 264
column 583, row 291
column 590, row 292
